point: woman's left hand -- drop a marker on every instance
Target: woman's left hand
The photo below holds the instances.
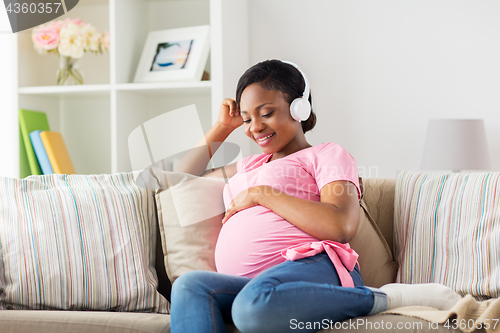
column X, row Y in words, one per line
column 244, row 199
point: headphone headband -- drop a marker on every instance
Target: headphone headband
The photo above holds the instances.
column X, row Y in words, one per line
column 305, row 94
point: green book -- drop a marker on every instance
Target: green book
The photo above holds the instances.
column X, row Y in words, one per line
column 30, row 121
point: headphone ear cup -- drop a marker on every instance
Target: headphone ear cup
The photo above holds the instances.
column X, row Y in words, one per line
column 294, row 109
column 300, row 109
column 305, row 109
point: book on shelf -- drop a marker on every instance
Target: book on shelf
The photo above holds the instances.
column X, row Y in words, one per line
column 57, row 152
column 40, row 152
column 30, row 121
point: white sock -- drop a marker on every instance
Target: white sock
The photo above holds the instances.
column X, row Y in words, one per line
column 435, row 295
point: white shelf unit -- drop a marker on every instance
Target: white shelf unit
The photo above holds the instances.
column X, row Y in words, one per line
column 96, row 118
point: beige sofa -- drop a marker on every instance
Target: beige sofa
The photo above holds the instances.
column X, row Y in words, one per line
column 379, row 199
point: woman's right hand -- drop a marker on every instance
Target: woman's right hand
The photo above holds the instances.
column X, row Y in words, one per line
column 229, row 114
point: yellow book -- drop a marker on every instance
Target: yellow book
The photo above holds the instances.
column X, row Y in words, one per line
column 56, row 151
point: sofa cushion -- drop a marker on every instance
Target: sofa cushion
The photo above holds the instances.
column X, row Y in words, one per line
column 379, row 199
column 22, row 321
column 375, row 257
column 190, row 212
column 447, row 230
column 78, row 242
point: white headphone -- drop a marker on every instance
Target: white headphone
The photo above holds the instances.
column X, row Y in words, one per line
column 300, row 108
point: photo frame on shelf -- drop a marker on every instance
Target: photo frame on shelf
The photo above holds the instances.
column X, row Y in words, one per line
column 174, row 54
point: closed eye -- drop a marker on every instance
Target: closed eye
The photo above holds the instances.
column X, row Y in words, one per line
column 264, row 115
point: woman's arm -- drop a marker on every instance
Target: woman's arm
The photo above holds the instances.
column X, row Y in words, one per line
column 226, row 171
column 335, row 217
column 196, row 160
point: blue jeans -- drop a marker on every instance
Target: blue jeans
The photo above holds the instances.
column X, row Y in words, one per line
column 276, row 300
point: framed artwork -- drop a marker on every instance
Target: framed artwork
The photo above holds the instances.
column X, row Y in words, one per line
column 174, row 54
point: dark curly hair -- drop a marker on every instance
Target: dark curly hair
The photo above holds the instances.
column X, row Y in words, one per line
column 278, row 76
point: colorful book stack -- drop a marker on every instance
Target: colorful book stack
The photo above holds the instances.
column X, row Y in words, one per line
column 42, row 151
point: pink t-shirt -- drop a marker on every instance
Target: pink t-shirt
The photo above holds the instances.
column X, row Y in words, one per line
column 251, row 240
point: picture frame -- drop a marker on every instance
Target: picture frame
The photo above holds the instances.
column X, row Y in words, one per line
column 174, row 54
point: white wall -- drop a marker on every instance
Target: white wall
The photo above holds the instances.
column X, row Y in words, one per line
column 380, row 69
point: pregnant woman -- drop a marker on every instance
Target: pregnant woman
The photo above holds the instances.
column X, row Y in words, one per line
column 282, row 255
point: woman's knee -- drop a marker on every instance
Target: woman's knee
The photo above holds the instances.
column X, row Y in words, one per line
column 192, row 281
column 252, row 308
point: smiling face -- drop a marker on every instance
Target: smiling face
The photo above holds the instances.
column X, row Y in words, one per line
column 267, row 121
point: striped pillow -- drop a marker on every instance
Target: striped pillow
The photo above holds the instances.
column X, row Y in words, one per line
column 447, row 230
column 76, row 242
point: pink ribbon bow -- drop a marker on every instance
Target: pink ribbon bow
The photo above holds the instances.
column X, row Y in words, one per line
column 342, row 256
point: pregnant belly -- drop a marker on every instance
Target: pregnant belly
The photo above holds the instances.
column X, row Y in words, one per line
column 252, row 239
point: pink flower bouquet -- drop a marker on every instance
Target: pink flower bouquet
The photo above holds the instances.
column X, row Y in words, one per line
column 70, row 39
